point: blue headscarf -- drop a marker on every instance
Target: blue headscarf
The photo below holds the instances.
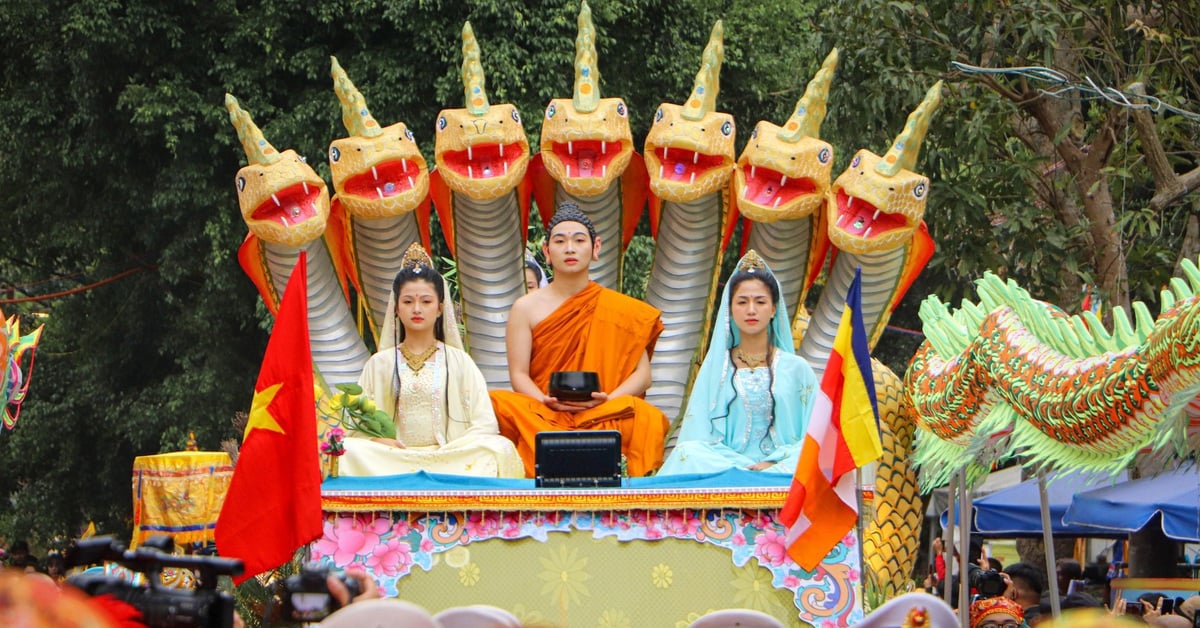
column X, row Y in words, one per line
column 713, row 391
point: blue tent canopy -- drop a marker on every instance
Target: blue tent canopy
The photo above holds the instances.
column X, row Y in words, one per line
column 1016, row 511
column 1129, row 506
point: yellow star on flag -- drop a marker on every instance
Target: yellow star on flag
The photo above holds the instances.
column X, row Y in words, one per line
column 260, row 416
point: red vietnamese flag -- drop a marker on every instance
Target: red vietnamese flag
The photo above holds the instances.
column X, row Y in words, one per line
column 843, row 435
column 274, row 501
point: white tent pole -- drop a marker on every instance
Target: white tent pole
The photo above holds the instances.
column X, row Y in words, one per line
column 964, row 533
column 1048, row 541
column 948, row 538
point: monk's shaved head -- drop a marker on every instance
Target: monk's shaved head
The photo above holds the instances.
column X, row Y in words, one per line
column 570, row 212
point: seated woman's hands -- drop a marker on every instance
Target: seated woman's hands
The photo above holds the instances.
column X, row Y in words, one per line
column 759, row 466
column 391, row 442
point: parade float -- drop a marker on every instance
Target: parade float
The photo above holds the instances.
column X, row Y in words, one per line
column 656, row 550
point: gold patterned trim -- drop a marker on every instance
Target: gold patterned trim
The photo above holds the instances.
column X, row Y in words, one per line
column 552, row 500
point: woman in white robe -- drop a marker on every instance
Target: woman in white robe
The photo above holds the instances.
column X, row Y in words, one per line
column 434, row 393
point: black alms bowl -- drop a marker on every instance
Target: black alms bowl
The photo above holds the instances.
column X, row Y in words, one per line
column 574, row 385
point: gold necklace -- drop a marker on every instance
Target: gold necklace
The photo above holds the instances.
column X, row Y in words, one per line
column 416, row 361
column 751, row 361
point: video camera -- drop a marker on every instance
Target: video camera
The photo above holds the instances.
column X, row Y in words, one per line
column 161, row 607
column 307, row 596
column 987, row 583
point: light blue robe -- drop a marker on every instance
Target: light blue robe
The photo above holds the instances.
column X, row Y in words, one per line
column 725, row 422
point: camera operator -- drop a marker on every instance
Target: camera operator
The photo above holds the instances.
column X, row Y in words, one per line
column 984, row 581
column 366, row 584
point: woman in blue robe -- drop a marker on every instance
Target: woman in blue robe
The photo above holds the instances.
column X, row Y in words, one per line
column 752, row 398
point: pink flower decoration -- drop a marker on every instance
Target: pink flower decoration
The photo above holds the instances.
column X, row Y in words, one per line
column 828, row 624
column 739, row 539
column 511, row 530
column 482, row 525
column 654, row 533
column 373, row 528
column 336, row 432
column 343, row 540
column 392, row 558
column 853, row 575
column 770, row 547
column 401, row 528
column 849, row 540
column 791, row 581
column 426, row 545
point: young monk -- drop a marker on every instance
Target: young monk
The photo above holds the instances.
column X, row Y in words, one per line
column 574, row 324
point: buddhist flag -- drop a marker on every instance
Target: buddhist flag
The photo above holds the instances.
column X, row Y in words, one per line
column 843, row 435
column 274, row 501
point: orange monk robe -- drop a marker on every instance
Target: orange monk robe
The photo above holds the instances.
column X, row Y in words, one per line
column 596, row 330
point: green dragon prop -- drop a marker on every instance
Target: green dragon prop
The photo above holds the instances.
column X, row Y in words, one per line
column 16, row 366
column 690, row 159
column 482, row 198
column 587, row 157
column 1012, row 373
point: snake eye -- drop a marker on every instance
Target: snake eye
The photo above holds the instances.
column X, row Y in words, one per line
column 241, row 184
column 621, row 111
column 824, row 155
column 441, row 123
column 551, row 110
column 516, row 116
column 919, row 190
column 334, row 154
column 409, row 134
column 856, row 161
column 658, row 115
column 727, row 128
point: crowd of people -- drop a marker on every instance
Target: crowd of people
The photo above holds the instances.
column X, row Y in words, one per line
column 749, row 408
column 1023, row 595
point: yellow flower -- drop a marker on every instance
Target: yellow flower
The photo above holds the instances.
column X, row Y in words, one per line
column 469, row 575
column 564, row 576
column 458, row 557
column 661, row 576
column 691, row 618
column 613, row 619
column 527, row 615
column 753, row 589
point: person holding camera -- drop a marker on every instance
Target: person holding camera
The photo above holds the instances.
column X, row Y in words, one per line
column 436, row 396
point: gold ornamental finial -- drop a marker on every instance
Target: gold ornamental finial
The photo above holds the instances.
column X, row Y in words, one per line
column 416, row 256
column 355, row 116
column 810, row 111
column 752, row 262
column 903, row 154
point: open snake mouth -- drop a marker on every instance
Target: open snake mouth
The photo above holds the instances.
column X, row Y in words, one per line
column 585, row 159
column 483, row 162
column 290, row 206
column 384, row 180
column 682, row 165
column 769, row 188
column 862, row 219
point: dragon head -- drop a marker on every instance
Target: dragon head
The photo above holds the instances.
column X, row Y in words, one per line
column 480, row 150
column 784, row 172
column 586, row 140
column 689, row 151
column 880, row 201
column 282, row 199
column 377, row 172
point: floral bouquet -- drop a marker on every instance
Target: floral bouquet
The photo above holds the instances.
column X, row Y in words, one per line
column 333, row 445
column 357, row 413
